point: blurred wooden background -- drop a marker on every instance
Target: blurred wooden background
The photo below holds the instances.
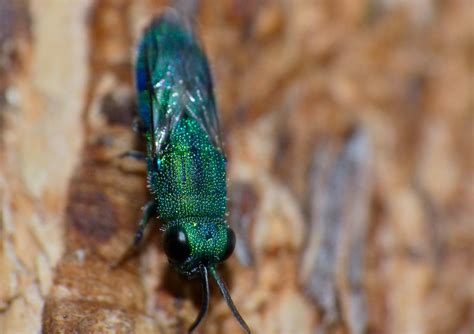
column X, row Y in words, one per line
column 349, row 132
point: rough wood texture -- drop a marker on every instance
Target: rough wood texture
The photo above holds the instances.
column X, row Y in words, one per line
column 349, row 131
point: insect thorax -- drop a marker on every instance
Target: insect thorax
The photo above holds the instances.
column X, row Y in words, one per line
column 189, row 180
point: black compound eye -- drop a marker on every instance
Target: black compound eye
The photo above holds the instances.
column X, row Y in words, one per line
column 176, row 245
column 230, row 244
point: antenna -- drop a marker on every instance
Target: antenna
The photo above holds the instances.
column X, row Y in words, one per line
column 228, row 299
column 205, row 299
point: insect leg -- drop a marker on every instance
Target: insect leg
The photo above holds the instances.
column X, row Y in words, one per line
column 136, row 155
column 138, row 126
column 148, row 210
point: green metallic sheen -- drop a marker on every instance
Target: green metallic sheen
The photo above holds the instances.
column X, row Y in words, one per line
column 185, row 157
column 189, row 187
column 186, row 164
column 173, row 81
column 207, row 238
column 190, row 180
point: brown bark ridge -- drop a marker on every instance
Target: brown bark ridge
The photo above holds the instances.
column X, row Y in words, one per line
column 349, row 134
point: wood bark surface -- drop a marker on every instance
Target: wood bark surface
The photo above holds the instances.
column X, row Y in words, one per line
column 349, row 133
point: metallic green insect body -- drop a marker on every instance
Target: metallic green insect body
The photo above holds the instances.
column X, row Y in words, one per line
column 186, row 163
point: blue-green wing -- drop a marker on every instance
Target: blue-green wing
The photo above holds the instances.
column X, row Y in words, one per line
column 174, row 81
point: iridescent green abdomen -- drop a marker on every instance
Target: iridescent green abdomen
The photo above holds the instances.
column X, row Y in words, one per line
column 190, row 176
column 186, row 163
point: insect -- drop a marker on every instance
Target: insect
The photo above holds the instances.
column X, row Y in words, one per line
column 185, row 159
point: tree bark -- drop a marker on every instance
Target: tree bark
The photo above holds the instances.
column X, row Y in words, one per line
column 349, row 135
